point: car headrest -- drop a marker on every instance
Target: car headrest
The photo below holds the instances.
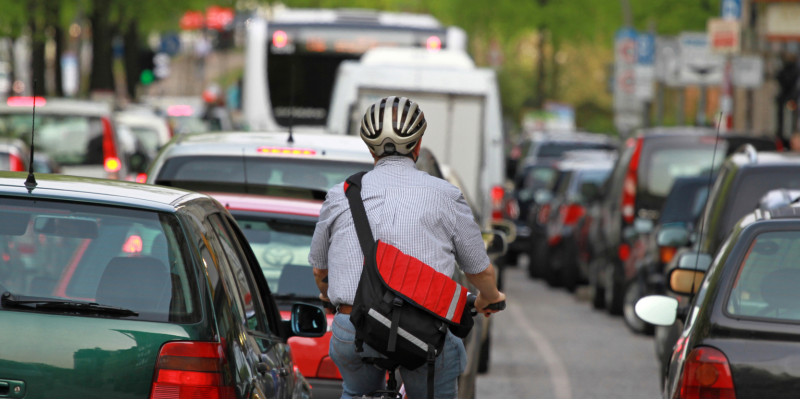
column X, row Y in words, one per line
column 136, row 283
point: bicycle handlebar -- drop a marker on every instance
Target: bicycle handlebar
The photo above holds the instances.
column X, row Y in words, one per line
column 499, row 306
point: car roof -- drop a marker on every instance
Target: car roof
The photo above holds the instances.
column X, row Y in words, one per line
column 92, row 190
column 676, row 130
column 268, row 204
column 57, row 106
column 765, row 158
column 234, row 143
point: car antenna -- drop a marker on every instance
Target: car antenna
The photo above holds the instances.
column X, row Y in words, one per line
column 30, row 182
column 710, row 182
column 291, row 102
column 244, row 169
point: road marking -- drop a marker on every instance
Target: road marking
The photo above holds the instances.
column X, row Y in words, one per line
column 558, row 372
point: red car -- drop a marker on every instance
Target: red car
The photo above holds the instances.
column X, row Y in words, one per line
column 279, row 231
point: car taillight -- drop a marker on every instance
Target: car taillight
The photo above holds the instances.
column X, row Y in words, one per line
column 15, row 162
column 133, row 244
column 497, row 202
column 544, row 214
column 328, row 370
column 186, row 370
column 111, row 161
column 629, row 185
column 512, row 208
column 624, row 251
column 571, row 213
column 141, row 177
column 667, row 252
column 707, row 375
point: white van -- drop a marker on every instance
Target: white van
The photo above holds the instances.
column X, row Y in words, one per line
column 461, row 104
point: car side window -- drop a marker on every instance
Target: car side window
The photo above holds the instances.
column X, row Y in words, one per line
column 240, row 268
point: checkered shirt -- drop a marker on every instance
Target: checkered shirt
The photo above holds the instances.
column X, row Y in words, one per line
column 423, row 216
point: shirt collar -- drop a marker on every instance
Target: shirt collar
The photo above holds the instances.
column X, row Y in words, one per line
column 395, row 161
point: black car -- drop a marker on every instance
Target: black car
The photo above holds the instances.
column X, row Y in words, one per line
column 679, row 215
column 117, row 289
column 743, row 324
column 532, row 172
column 642, row 178
column 566, row 209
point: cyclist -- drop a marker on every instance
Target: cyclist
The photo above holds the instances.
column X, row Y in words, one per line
column 423, row 216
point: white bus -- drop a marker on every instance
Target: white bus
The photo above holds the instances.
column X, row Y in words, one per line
column 292, row 56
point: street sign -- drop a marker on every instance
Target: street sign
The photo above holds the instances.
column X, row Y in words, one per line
column 781, row 21
column 731, row 9
column 667, row 60
column 627, row 106
column 747, row 71
column 723, row 35
column 698, row 65
column 645, row 66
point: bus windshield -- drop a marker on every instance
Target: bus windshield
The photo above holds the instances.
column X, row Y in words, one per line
column 302, row 61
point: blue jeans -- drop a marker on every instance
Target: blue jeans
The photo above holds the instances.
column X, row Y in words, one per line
column 360, row 378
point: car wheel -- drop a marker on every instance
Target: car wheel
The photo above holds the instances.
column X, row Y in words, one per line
column 633, row 292
column 613, row 291
column 554, row 266
column 596, row 292
column 483, row 360
column 538, row 264
column 569, row 271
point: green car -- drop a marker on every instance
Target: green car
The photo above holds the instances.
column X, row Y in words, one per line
column 114, row 289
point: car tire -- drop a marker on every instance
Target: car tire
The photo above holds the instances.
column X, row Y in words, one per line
column 483, row 360
column 613, row 290
column 570, row 275
column 634, row 291
column 555, row 264
column 597, row 296
column 538, row 259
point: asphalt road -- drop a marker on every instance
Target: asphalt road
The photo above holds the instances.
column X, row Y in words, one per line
column 549, row 343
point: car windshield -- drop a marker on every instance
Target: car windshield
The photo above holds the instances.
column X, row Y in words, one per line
column 68, row 139
column 557, row 149
column 281, row 245
column 667, row 164
column 130, row 259
column 768, row 278
column 256, row 175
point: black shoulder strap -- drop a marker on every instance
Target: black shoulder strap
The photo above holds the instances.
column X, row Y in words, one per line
column 352, row 189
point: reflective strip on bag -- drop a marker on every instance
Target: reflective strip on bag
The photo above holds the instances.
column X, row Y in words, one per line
column 400, row 331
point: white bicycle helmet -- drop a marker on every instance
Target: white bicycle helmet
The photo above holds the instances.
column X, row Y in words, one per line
column 403, row 130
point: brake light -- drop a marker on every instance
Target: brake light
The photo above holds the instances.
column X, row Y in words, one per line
column 544, row 214
column 25, row 101
column 667, row 253
column 111, row 161
column 707, row 375
column 624, row 251
column 328, row 370
column 280, row 39
column 180, row 110
column 498, row 193
column 186, row 370
column 629, row 186
column 15, row 162
column 141, row 177
column 512, row 208
column 571, row 213
column 433, row 43
column 287, row 150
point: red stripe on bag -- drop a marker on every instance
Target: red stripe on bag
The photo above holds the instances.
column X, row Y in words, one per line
column 420, row 283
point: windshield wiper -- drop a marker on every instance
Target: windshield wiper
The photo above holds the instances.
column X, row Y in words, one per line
column 43, row 303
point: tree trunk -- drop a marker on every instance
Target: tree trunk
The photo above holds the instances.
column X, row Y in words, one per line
column 132, row 67
column 37, row 47
column 52, row 10
column 102, row 76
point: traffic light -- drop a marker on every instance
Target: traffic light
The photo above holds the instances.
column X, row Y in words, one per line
column 147, row 66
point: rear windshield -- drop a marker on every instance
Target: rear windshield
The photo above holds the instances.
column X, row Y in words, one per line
column 282, row 245
column 768, row 278
column 557, row 149
column 273, row 175
column 112, row 256
column 754, row 184
column 68, row 139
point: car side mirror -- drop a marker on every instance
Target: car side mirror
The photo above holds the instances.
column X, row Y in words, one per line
column 657, row 310
column 673, row 235
column 307, row 320
column 685, row 281
column 496, row 243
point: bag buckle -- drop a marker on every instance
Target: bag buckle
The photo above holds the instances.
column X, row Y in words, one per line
column 397, row 302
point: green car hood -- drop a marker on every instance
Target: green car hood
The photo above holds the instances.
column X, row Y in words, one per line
column 68, row 356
